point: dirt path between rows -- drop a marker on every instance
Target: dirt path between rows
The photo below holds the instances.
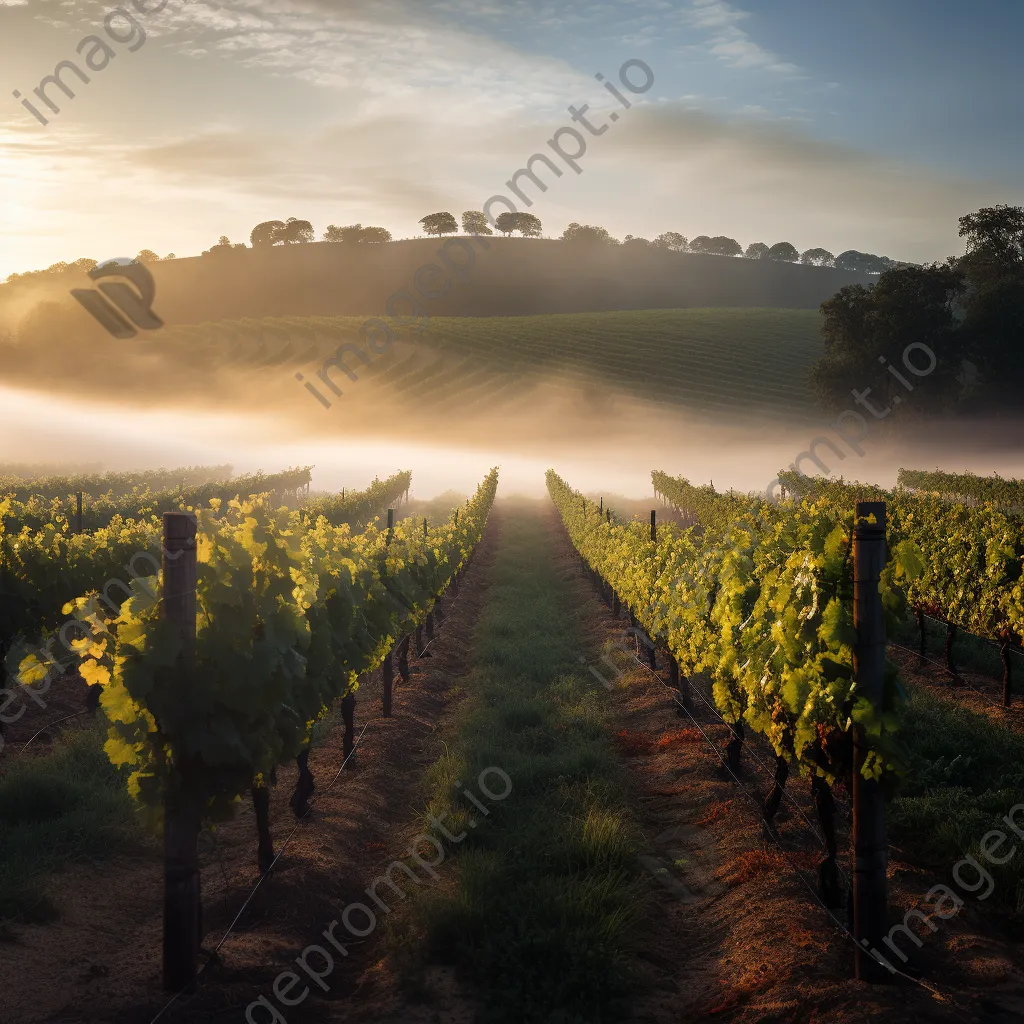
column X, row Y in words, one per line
column 100, row 961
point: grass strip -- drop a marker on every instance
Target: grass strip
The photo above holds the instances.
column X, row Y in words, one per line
column 66, row 805
column 966, row 772
column 548, row 886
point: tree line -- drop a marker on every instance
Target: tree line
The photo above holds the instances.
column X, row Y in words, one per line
column 475, row 223
column 295, row 230
column 968, row 313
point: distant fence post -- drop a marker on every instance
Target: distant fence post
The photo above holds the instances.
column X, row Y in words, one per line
column 654, row 526
column 403, row 659
column 182, row 801
column 348, row 717
column 1004, row 653
column 869, row 883
column 388, row 676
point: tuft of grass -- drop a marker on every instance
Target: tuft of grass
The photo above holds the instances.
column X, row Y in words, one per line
column 541, row 919
column 966, row 773
column 67, row 805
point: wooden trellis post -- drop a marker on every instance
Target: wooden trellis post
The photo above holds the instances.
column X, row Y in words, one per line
column 869, row 846
column 183, row 801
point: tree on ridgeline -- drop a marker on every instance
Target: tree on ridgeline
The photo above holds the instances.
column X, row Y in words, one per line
column 863, row 262
column 266, row 234
column 439, row 224
column 528, row 225
column 506, row 223
column 587, row 234
column 475, row 223
column 635, row 242
column 995, row 242
column 783, row 252
column 147, row 256
column 818, row 258
column 356, row 233
column 722, row 245
column 223, row 245
column 671, row 240
column 719, row 245
column 756, row 251
column 909, row 306
column 951, row 329
column 297, row 231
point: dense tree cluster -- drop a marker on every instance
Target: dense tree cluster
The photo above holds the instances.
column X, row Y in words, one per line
column 968, row 312
column 357, row 233
column 278, row 232
column 80, row 266
column 439, row 224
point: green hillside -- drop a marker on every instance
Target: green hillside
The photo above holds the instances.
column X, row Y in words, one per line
column 735, row 361
column 725, row 360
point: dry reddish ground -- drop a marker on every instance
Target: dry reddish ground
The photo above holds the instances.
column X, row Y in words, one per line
column 62, row 703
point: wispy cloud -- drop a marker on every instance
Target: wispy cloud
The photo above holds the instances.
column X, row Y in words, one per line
column 730, row 43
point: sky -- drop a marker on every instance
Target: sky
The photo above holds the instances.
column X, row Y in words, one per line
column 871, row 126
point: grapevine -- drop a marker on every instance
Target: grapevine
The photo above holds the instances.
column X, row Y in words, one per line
column 290, row 613
column 761, row 602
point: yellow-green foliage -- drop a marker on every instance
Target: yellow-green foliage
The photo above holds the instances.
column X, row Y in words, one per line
column 759, row 597
column 972, row 556
column 289, row 614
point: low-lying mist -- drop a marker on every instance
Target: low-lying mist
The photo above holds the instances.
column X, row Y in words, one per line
column 611, row 444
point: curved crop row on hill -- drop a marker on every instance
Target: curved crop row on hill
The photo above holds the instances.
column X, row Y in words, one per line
column 740, row 361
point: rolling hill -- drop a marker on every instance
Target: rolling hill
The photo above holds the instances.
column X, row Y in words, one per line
column 738, row 363
column 512, row 277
